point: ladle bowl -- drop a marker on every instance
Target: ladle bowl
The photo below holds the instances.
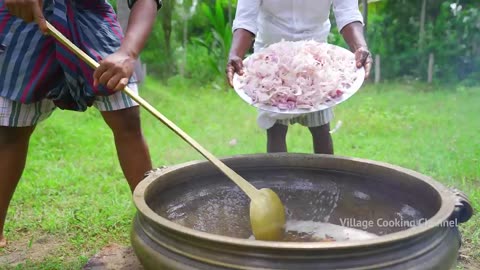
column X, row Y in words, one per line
column 365, row 215
column 267, row 216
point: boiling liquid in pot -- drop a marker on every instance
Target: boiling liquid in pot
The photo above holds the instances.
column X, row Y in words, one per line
column 313, row 207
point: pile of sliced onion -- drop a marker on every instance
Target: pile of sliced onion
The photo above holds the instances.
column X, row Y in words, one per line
column 298, row 74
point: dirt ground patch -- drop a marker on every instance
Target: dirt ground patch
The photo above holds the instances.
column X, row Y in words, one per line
column 114, row 257
column 30, row 249
column 465, row 261
column 36, row 249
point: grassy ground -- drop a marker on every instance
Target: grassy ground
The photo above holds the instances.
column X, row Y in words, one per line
column 73, row 200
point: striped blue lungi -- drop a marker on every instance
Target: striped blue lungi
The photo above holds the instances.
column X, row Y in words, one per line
column 34, row 67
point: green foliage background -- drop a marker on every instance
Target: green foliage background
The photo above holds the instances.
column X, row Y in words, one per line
column 452, row 34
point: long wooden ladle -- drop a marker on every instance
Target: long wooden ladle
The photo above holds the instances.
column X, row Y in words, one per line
column 267, row 214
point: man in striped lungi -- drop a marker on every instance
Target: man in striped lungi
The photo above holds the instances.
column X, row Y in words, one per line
column 38, row 74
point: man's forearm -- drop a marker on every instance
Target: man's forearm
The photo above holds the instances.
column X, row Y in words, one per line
column 241, row 43
column 140, row 24
column 353, row 34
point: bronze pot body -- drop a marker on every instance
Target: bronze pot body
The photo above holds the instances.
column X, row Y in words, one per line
column 190, row 216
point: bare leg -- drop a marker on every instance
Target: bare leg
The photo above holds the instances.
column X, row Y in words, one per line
column 322, row 140
column 132, row 150
column 277, row 138
column 13, row 154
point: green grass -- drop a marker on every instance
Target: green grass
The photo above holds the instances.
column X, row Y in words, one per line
column 73, row 196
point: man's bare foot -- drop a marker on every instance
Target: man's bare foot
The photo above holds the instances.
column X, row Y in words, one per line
column 3, row 241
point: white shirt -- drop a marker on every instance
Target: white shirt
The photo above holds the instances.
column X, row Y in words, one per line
column 293, row 20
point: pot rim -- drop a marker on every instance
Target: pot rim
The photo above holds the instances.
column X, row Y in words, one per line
column 443, row 214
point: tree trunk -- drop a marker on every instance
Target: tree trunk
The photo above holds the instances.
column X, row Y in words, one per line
column 185, row 41
column 431, row 59
column 421, row 38
column 365, row 16
column 166, row 17
column 377, row 69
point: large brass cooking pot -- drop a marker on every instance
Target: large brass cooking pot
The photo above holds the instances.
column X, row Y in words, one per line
column 190, row 216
